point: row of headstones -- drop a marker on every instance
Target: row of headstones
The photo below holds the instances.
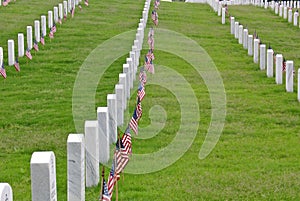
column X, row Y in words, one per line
column 265, row 57
column 40, row 27
column 86, row 151
column 272, row 4
column 258, row 51
column 286, row 12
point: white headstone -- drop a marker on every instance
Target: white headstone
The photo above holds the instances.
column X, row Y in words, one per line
column 20, row 44
column 128, row 80
column 43, row 176
column 276, row 8
column 129, row 62
column 43, row 25
column 270, row 62
column 298, row 93
column 1, row 55
column 241, row 34
column 256, row 50
column 285, row 12
column 65, row 8
column 232, row 28
column 119, row 90
column 55, row 14
column 250, row 45
column 69, row 6
column 133, row 57
column 6, row 193
column 245, row 39
column 289, row 80
column 11, row 52
column 296, row 14
column 91, row 153
column 236, row 30
column 280, row 10
column 122, row 81
column 262, row 58
column 290, row 16
column 278, row 76
column 266, row 4
column 29, row 37
column 102, row 117
column 37, row 30
column 60, row 11
column 223, row 15
column 219, row 8
column 50, row 19
column 112, row 117
column 76, row 167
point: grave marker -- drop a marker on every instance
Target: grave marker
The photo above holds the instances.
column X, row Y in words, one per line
column 20, row 44
column 37, row 31
column 236, row 30
column 223, row 15
column 11, row 52
column 43, row 176
column 296, row 14
column 270, row 63
column 250, row 45
column 29, row 37
column 262, row 58
column 91, row 153
column 55, row 14
column 289, row 79
column 232, row 25
column 245, row 39
column 285, row 12
column 280, row 10
column 76, row 167
column 241, row 34
column 43, row 25
column 120, row 99
column 278, row 76
column 50, row 19
column 122, row 81
column 65, row 8
column 6, row 193
column 128, row 80
column 60, row 11
column 103, row 134
column 112, row 117
column 290, row 16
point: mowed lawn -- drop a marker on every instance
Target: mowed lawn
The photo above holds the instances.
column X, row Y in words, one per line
column 257, row 155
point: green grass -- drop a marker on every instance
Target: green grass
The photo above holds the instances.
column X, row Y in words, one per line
column 256, row 157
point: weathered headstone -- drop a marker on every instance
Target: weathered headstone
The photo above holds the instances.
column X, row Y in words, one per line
column 112, row 117
column 241, row 34
column 20, row 44
column 11, row 52
column 37, row 30
column 296, row 14
column 290, row 16
column 103, row 134
column 250, row 45
column 289, row 79
column 91, row 153
column 278, row 76
column 245, row 39
column 43, row 176
column 43, row 25
column 232, row 25
column 76, row 167
column 50, row 19
column 119, row 90
column 29, row 37
column 223, row 15
column 270, row 63
column 236, row 30
column 6, row 193
column 262, row 58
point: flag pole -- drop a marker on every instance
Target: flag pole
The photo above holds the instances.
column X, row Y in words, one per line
column 101, row 185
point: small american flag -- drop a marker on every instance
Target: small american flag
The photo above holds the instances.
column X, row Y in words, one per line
column 43, row 40
column 2, row 71
column 54, row 28
column 51, row 34
column 149, row 67
column 35, row 46
column 126, row 140
column 59, row 20
column 17, row 65
column 79, row 6
column 143, row 76
column 28, row 54
column 121, row 156
column 5, row 2
column 72, row 12
column 65, row 16
column 139, row 110
column 133, row 124
column 105, row 194
column 141, row 92
column 283, row 65
column 86, row 2
column 112, row 179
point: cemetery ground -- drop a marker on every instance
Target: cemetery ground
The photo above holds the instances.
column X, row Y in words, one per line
column 257, row 156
